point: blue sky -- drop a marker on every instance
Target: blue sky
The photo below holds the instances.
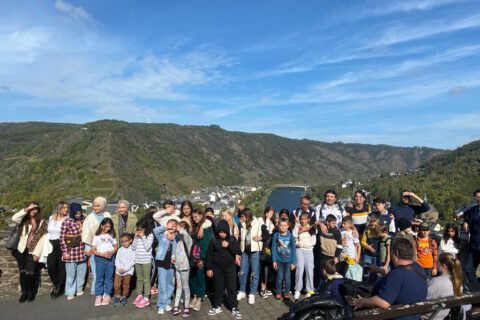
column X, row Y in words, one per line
column 405, row 73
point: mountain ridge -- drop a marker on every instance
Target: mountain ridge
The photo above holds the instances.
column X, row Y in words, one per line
column 51, row 161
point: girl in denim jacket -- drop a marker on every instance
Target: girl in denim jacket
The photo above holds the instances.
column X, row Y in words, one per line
column 164, row 261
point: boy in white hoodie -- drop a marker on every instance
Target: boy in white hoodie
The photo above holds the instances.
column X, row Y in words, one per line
column 124, row 263
column 305, row 239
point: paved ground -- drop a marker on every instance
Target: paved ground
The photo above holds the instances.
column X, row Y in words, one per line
column 82, row 308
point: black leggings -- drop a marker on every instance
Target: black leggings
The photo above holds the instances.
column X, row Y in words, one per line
column 55, row 265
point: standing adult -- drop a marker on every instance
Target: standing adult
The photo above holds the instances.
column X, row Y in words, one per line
column 405, row 284
column 305, row 206
column 471, row 224
column 33, row 231
column 55, row 264
column 90, row 226
column 124, row 221
column 330, row 206
column 406, row 209
column 359, row 210
column 73, row 251
column 250, row 245
column 267, row 225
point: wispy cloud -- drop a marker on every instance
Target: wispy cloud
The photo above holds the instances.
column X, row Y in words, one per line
column 405, row 33
column 390, row 7
column 76, row 13
column 22, row 45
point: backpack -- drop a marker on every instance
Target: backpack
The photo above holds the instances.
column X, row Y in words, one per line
column 321, row 306
column 352, row 289
column 195, row 255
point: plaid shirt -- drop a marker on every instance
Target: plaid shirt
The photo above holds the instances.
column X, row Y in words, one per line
column 77, row 254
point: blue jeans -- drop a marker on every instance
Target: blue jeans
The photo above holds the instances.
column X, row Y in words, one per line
column 104, row 270
column 283, row 274
column 369, row 276
column 428, row 272
column 91, row 259
column 165, row 287
column 75, row 277
column 471, row 265
column 250, row 261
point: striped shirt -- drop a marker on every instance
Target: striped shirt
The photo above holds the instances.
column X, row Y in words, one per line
column 359, row 217
column 143, row 249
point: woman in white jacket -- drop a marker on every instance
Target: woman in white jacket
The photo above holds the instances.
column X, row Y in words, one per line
column 33, row 231
column 267, row 224
column 251, row 245
column 90, row 226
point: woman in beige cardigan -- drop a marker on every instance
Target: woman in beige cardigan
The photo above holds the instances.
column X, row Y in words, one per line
column 33, row 231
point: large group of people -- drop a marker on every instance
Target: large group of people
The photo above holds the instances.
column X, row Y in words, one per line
column 183, row 255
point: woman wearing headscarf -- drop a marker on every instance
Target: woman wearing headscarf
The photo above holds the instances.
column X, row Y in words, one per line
column 73, row 252
column 55, row 264
column 124, row 221
column 90, row 226
column 32, row 230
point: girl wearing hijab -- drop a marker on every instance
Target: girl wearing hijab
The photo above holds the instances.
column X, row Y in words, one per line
column 90, row 226
column 73, row 252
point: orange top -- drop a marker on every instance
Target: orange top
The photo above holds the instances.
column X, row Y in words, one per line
column 424, row 253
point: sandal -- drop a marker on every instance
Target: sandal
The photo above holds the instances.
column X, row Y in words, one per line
column 176, row 311
column 186, row 313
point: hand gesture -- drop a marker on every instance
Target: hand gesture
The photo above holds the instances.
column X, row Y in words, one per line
column 357, row 303
column 224, row 243
column 210, row 273
column 66, row 256
column 275, row 266
column 174, row 260
column 256, row 238
column 200, row 265
column 238, row 260
column 434, row 272
column 292, row 267
column 36, row 258
column 121, row 270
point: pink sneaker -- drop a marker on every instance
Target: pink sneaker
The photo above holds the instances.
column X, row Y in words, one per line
column 98, row 301
column 143, row 303
column 105, row 300
column 153, row 290
column 137, row 299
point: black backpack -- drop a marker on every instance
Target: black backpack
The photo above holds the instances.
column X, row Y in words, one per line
column 350, row 289
column 321, row 306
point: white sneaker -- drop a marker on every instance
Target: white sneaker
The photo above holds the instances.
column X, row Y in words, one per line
column 161, row 311
column 240, row 295
column 214, row 311
column 297, row 295
column 236, row 313
column 168, row 308
column 251, row 298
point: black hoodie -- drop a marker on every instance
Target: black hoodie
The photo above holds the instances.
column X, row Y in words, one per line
column 218, row 256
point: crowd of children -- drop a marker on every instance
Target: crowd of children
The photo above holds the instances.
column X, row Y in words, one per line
column 184, row 255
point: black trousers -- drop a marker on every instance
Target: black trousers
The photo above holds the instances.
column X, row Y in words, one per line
column 225, row 279
column 29, row 271
column 55, row 265
column 25, row 262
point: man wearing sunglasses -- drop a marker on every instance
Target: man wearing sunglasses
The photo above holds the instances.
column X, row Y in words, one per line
column 406, row 209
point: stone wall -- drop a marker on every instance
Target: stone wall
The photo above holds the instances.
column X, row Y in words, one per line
column 9, row 279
